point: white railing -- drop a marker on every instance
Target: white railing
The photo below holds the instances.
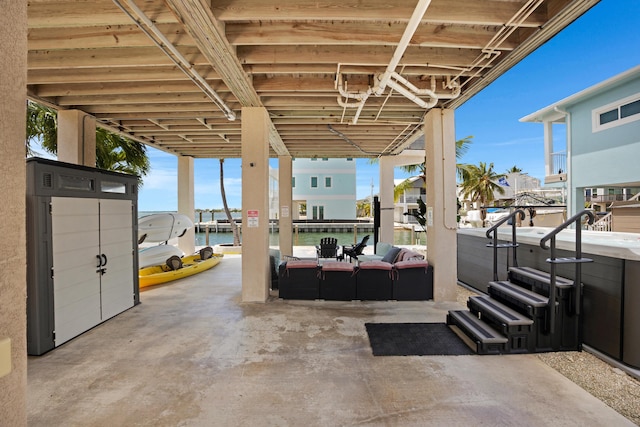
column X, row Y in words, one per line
column 605, row 223
column 559, row 162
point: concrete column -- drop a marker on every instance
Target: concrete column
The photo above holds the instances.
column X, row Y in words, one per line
column 440, row 147
column 255, row 204
column 386, row 199
column 13, row 285
column 286, row 207
column 186, row 196
column 76, row 138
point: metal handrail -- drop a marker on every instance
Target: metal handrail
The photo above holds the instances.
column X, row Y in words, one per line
column 514, row 244
column 578, row 260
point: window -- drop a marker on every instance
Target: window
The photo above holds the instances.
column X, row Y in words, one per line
column 314, row 159
column 630, row 109
column 113, row 187
column 314, row 182
column 327, row 182
column 608, row 117
column 349, row 159
column 617, row 113
column 293, row 182
column 325, row 159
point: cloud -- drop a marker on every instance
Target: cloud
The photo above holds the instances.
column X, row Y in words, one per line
column 161, row 178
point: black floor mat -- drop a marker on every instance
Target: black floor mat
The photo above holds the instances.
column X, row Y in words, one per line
column 415, row 339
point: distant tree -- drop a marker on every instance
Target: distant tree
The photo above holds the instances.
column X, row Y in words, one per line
column 514, row 169
column 363, row 208
column 480, row 185
column 420, row 169
column 223, row 194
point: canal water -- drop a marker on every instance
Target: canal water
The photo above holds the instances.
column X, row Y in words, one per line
column 400, row 237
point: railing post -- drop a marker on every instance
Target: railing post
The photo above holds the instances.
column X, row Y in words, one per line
column 552, row 287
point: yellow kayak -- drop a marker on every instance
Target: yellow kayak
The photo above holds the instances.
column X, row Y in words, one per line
column 191, row 265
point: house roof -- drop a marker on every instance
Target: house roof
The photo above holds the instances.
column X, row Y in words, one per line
column 172, row 73
column 551, row 113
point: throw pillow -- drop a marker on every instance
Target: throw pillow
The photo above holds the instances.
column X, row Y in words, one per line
column 390, row 256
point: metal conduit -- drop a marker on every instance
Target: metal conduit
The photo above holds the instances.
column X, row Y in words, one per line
column 150, row 29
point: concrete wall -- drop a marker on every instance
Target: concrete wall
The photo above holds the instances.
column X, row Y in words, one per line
column 13, row 69
column 339, row 200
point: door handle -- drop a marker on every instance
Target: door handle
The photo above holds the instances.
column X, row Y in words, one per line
column 99, row 261
column 104, row 257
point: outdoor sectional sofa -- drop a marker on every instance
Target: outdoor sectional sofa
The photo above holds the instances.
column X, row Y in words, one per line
column 400, row 275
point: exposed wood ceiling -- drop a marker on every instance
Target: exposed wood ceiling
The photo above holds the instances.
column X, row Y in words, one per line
column 291, row 57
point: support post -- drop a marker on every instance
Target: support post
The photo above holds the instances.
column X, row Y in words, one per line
column 285, row 197
column 386, row 199
column 440, row 150
column 255, row 204
column 186, row 201
column 76, row 138
column 13, row 283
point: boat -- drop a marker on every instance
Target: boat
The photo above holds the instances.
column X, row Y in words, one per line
column 162, row 227
column 155, row 255
column 177, row 268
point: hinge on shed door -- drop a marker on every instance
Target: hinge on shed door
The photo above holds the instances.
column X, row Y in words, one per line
column 50, row 208
column 52, row 272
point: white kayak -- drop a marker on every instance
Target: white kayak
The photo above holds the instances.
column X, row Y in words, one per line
column 157, row 255
column 162, row 227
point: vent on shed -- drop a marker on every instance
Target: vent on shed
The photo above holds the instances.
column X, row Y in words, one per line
column 47, row 180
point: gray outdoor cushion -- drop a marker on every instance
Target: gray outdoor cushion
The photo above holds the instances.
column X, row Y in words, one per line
column 390, row 256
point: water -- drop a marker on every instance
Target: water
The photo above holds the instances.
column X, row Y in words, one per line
column 400, row 237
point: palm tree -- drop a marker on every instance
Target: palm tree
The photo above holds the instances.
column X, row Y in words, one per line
column 420, row 169
column 480, row 185
column 113, row 152
column 223, row 194
column 514, row 169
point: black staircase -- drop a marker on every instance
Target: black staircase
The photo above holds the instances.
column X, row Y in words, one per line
column 531, row 311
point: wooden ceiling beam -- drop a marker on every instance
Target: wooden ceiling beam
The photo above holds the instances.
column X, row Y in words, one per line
column 103, row 36
column 209, row 35
column 129, row 88
column 166, row 73
column 109, row 57
column 377, row 55
column 360, row 33
column 486, row 12
column 82, row 13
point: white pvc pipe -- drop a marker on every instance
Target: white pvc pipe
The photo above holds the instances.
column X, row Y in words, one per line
column 185, row 65
column 412, row 26
column 413, row 97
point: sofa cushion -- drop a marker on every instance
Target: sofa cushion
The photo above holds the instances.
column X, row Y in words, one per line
column 375, row 265
column 411, row 263
column 302, row 264
column 391, row 256
column 382, row 248
column 337, row 266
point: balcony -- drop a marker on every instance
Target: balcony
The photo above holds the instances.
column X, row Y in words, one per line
column 558, row 168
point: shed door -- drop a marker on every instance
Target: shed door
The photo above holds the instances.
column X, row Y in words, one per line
column 76, row 284
column 116, row 244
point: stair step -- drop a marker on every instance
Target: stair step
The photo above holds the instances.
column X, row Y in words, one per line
column 571, row 260
column 498, row 311
column 541, row 276
column 502, row 245
column 519, row 293
column 486, row 339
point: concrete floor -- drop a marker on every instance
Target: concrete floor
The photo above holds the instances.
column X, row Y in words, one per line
column 192, row 355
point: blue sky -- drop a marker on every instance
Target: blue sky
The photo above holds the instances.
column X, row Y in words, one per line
column 601, row 44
